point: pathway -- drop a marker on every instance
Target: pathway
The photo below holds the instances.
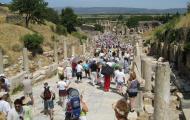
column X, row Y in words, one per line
column 99, row 102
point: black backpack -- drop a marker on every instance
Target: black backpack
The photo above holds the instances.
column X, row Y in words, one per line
column 48, row 94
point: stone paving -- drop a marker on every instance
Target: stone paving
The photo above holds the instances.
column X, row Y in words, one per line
column 98, row 101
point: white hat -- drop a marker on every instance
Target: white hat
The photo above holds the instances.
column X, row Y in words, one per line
column 2, row 94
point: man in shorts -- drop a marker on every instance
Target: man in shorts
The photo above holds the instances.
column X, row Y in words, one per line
column 48, row 96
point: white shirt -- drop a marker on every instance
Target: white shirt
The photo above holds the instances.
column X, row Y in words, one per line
column 61, row 85
column 4, row 107
column 120, row 76
column 79, row 68
column 13, row 115
column 68, row 70
column 60, row 70
column 27, row 83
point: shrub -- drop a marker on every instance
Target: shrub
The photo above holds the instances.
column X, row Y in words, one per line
column 80, row 36
column 61, row 30
column 17, row 47
column 187, row 47
column 33, row 43
column 98, row 28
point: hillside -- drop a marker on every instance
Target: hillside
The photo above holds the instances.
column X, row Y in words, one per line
column 123, row 10
column 12, row 44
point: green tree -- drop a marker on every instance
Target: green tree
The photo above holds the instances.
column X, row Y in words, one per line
column 32, row 10
column 98, row 28
column 61, row 30
column 52, row 15
column 120, row 18
column 33, row 43
column 69, row 19
column 188, row 7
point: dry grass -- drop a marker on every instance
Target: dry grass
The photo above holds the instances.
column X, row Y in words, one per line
column 9, row 36
column 4, row 10
column 46, row 32
column 184, row 22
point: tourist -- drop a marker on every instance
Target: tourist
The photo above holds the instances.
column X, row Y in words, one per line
column 86, row 69
column 60, row 70
column 94, row 71
column 48, row 96
column 107, row 71
column 79, row 69
column 68, row 72
column 133, row 85
column 20, row 112
column 3, row 85
column 126, row 65
column 62, row 85
column 27, row 87
column 4, row 105
column 73, row 69
column 121, row 109
column 84, row 109
column 120, row 79
column 7, row 82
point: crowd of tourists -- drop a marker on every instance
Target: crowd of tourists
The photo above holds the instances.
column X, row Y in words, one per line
column 111, row 62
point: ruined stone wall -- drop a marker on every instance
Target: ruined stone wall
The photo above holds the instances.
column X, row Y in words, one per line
column 172, row 48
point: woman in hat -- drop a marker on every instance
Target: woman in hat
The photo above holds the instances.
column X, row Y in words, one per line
column 121, row 109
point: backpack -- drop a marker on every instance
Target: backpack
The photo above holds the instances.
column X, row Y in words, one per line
column 48, row 94
column 73, row 106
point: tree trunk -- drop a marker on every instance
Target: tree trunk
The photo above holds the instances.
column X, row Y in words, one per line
column 27, row 22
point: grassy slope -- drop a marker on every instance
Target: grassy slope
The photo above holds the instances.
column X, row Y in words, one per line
column 10, row 36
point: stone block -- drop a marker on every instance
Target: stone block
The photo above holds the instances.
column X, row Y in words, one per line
column 184, row 103
column 149, row 109
column 147, row 101
column 173, row 98
column 179, row 95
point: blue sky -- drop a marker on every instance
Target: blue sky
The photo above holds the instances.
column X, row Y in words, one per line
column 160, row 4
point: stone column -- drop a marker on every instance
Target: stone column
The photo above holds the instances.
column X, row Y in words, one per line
column 84, row 48
column 162, row 91
column 1, row 61
column 73, row 50
column 146, row 70
column 65, row 49
column 55, row 52
column 25, row 60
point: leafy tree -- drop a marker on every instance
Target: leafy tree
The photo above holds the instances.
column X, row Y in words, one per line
column 98, row 27
column 52, row 15
column 61, row 30
column 188, row 7
column 32, row 10
column 33, row 43
column 69, row 19
column 120, row 18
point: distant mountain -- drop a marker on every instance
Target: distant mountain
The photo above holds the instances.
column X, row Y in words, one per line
column 121, row 10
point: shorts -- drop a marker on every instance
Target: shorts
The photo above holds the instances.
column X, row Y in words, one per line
column 62, row 93
column 87, row 71
column 132, row 94
column 48, row 104
column 120, row 83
